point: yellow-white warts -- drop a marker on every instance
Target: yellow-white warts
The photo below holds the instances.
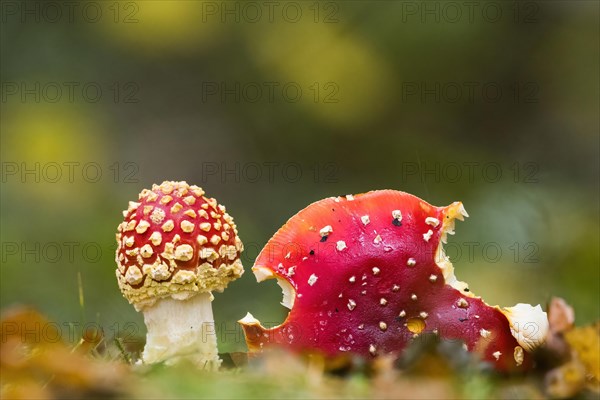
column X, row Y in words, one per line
column 130, row 225
column 209, row 254
column 168, row 251
column 528, row 324
column 129, row 241
column 168, row 226
column 232, row 252
column 158, row 215
column 413, row 297
column 198, row 192
column 133, row 276
column 462, row 303
column 146, row 251
column 143, row 194
column 377, row 239
column 187, row 226
column 349, row 197
column 190, row 213
column 205, row 226
column 376, row 271
column 147, row 209
column 395, row 288
column 184, row 252
column 133, row 252
column 159, row 271
column 133, row 206
column 427, row 236
column 372, row 349
column 312, row 279
column 497, row 355
column 189, row 200
column 402, row 314
column 423, row 314
column 432, row 221
column 518, row 355
column 183, row 277
column 432, row 278
column 484, row 333
column 341, row 245
column 365, row 220
column 201, row 239
column 383, row 301
column 238, row 244
column 165, row 187
column 351, row 304
column 383, row 326
column 142, row 227
column 176, row 208
column 397, row 215
column 352, row 279
column 224, row 251
column 411, row 262
column 326, row 231
column 151, row 197
column 215, row 239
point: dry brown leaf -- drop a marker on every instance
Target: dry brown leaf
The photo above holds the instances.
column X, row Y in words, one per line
column 35, row 362
column 585, row 344
column 565, row 381
column 561, row 315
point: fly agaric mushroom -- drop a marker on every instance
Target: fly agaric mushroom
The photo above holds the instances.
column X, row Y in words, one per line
column 366, row 274
column 174, row 248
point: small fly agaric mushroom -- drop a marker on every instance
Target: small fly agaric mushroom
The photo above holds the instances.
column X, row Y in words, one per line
column 366, row 274
column 174, row 248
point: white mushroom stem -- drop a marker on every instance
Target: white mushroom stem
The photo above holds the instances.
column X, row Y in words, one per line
column 181, row 329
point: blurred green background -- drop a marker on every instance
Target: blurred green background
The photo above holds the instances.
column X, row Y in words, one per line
column 271, row 106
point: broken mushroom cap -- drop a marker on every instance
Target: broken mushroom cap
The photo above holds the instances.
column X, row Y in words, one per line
column 174, row 247
column 366, row 274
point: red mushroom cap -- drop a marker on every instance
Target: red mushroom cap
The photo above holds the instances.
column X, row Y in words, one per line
column 367, row 274
column 175, row 242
